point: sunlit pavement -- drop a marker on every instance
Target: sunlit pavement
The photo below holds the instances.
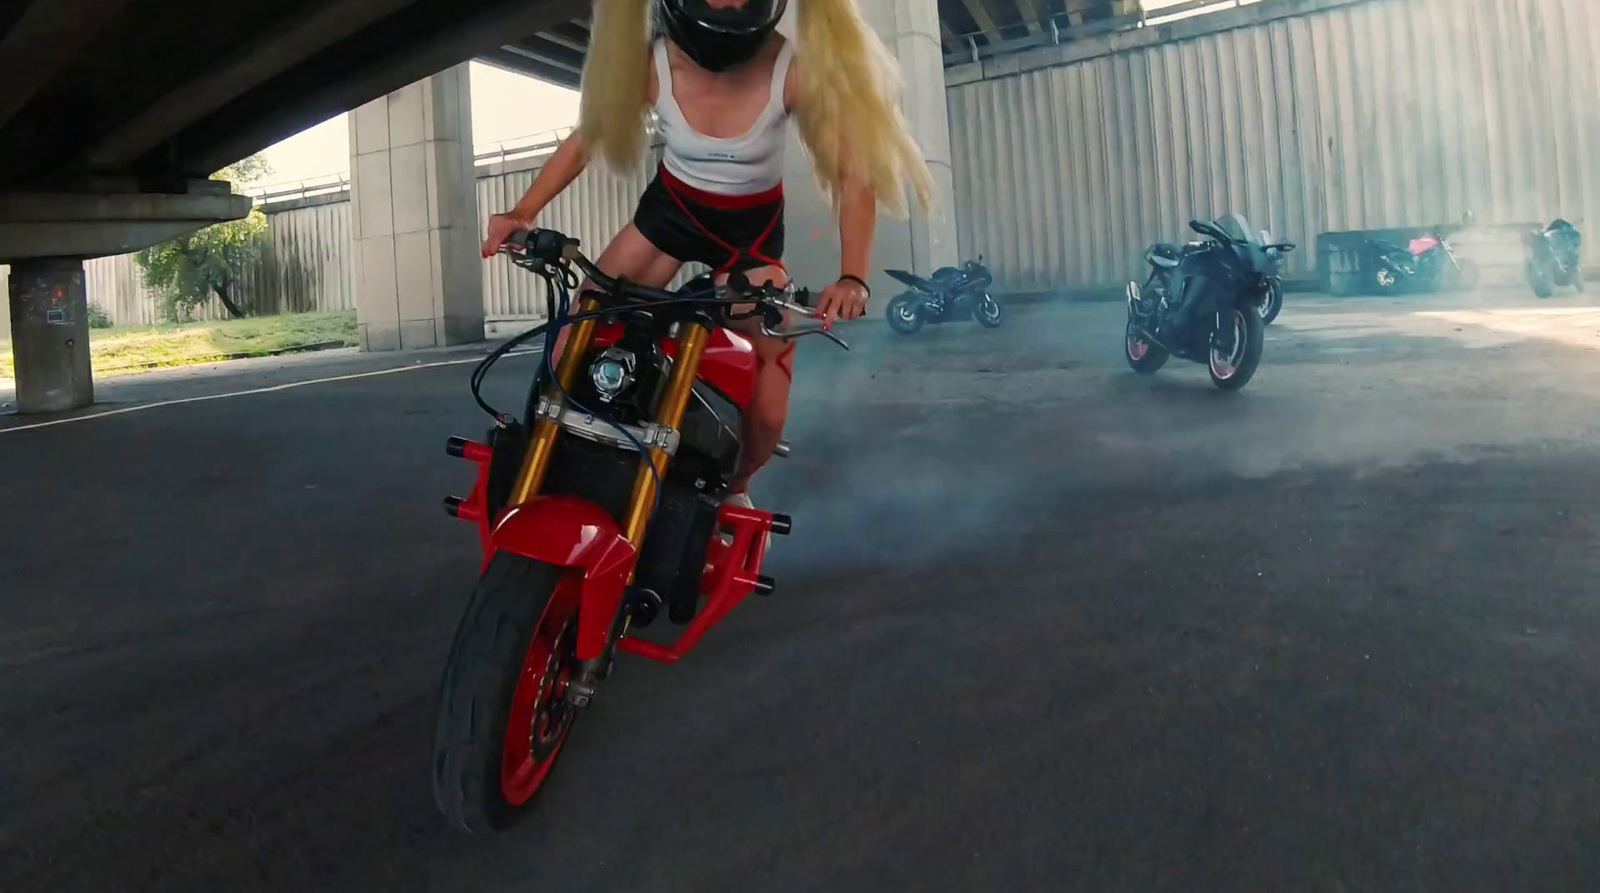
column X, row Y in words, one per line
column 1043, row 624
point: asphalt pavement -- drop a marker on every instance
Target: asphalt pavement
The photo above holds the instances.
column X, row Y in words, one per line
column 1043, row 624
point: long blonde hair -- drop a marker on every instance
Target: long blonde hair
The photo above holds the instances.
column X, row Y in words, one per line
column 615, row 101
column 848, row 102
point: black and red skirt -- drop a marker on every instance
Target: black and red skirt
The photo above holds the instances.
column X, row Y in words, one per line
column 728, row 233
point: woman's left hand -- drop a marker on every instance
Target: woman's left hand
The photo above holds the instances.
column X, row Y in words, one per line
column 845, row 299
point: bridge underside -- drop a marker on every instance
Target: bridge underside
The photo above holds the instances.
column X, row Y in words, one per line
column 142, row 99
column 136, row 102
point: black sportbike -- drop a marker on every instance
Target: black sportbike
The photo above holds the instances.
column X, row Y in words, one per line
column 1164, row 257
column 1202, row 302
column 951, row 294
column 1555, row 258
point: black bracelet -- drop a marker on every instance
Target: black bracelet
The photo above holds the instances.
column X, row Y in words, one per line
column 859, row 281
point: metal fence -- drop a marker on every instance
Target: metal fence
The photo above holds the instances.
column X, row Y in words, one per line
column 306, row 263
column 593, row 209
column 1361, row 115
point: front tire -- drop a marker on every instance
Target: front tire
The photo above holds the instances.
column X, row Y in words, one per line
column 1233, row 367
column 905, row 314
column 503, row 716
column 987, row 312
column 1272, row 304
column 1466, row 278
column 1143, row 355
column 1540, row 280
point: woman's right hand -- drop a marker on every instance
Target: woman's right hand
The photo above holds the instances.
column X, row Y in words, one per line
column 501, row 228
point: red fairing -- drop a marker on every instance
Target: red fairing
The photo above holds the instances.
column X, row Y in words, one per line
column 569, row 532
column 731, row 573
column 1423, row 244
column 728, row 364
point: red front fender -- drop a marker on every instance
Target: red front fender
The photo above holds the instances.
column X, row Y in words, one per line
column 569, row 532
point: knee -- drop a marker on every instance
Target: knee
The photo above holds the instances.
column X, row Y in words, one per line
column 768, row 414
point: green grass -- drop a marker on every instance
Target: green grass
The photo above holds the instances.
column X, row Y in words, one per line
column 125, row 349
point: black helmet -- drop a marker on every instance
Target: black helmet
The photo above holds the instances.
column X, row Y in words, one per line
column 719, row 38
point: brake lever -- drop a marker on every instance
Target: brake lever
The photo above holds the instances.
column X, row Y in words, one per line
column 801, row 333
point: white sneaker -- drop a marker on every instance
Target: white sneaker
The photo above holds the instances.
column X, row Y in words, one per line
column 742, row 500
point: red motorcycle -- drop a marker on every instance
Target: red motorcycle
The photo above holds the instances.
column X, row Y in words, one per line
column 602, row 509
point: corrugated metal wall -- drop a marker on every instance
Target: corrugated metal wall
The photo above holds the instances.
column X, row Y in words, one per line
column 1378, row 114
column 304, row 266
column 593, row 209
column 307, row 264
column 115, row 286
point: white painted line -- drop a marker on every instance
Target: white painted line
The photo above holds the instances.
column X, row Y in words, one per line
column 268, row 390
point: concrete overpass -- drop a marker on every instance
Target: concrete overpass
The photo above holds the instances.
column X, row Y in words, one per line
column 113, row 114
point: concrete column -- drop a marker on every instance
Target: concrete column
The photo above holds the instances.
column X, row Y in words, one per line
column 50, row 335
column 926, row 241
column 414, row 217
column 5, row 302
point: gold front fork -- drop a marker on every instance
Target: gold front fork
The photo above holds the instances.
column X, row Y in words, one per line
column 669, row 414
column 537, row 460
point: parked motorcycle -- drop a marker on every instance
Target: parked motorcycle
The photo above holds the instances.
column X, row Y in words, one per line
column 1426, row 263
column 1271, row 303
column 596, row 511
column 1555, row 258
column 1202, row 302
column 951, row 294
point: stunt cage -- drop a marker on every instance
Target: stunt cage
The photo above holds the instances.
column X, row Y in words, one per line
column 506, row 505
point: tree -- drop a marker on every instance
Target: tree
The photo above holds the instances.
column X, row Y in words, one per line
column 188, row 271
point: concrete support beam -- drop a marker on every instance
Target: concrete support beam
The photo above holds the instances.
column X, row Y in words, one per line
column 926, row 241
column 97, row 224
column 980, row 16
column 50, row 335
column 1030, row 16
column 414, row 217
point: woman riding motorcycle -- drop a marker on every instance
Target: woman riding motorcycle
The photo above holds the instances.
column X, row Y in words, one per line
column 723, row 84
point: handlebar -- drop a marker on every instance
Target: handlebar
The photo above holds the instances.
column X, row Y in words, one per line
column 550, row 253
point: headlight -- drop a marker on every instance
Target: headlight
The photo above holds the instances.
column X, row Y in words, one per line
column 611, row 373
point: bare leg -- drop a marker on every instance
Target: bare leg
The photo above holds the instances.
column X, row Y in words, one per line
column 769, row 406
column 630, row 254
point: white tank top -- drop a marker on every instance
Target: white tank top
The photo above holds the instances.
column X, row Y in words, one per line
column 740, row 165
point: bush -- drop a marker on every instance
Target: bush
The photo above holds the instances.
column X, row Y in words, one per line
column 98, row 317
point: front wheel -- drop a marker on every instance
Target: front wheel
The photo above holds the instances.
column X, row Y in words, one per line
column 1386, row 281
column 1466, row 277
column 987, row 313
column 503, row 713
column 1271, row 304
column 1144, row 356
column 1540, row 280
column 905, row 314
column 1236, row 353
